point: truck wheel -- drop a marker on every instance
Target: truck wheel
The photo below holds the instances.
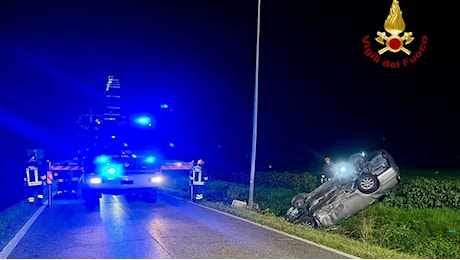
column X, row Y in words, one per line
column 367, row 183
column 150, row 196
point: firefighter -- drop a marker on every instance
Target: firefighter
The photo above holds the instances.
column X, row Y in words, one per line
column 34, row 180
column 329, row 169
column 198, row 176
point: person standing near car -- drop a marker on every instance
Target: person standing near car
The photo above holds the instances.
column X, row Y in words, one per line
column 329, row 169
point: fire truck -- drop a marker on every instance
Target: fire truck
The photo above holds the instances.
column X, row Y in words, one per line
column 117, row 154
column 66, row 175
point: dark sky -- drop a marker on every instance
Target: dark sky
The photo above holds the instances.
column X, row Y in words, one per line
column 318, row 93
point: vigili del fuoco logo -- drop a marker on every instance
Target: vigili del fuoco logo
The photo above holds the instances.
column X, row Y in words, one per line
column 384, row 50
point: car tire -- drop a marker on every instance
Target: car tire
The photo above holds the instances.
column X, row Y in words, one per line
column 367, row 183
column 306, row 220
column 298, row 200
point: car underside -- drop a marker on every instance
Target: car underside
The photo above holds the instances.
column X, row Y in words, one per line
column 367, row 179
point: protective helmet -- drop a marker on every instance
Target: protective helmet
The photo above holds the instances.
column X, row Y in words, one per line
column 200, row 162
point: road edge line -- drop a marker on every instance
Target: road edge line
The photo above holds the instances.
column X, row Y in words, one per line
column 15, row 240
column 267, row 227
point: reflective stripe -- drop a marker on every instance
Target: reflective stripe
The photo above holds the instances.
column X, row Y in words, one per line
column 199, row 196
column 31, row 199
column 196, row 175
column 66, row 168
column 176, row 167
column 32, row 177
column 49, row 177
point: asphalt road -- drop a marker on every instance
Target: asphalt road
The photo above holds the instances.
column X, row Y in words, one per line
column 171, row 228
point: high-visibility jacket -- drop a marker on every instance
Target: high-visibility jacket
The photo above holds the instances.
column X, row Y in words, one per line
column 198, row 175
column 34, row 177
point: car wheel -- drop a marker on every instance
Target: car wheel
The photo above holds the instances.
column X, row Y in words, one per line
column 367, row 183
column 298, row 200
column 150, row 196
column 306, row 220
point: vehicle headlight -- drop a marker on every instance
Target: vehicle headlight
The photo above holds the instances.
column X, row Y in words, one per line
column 95, row 180
column 156, row 179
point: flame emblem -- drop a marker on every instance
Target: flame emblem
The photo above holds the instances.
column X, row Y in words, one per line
column 394, row 25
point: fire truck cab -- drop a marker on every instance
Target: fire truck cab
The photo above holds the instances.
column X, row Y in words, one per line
column 122, row 154
column 117, row 154
column 127, row 173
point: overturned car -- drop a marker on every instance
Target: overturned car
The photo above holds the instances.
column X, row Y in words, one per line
column 359, row 182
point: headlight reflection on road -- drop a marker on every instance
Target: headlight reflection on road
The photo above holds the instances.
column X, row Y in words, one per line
column 112, row 211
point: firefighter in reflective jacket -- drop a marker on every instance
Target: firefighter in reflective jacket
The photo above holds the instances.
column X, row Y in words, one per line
column 34, row 180
column 197, row 178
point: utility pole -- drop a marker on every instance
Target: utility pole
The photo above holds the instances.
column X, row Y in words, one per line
column 254, row 127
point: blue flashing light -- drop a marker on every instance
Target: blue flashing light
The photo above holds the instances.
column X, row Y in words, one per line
column 165, row 106
column 111, row 170
column 171, row 144
column 102, row 159
column 143, row 120
column 125, row 144
column 133, row 155
column 150, row 159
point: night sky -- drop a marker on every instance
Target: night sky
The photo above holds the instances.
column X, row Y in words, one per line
column 318, row 92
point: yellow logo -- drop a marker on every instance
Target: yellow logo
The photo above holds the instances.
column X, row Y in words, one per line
column 392, row 41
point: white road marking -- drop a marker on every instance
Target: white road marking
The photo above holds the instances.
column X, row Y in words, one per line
column 13, row 242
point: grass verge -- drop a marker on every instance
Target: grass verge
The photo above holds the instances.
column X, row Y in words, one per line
column 336, row 241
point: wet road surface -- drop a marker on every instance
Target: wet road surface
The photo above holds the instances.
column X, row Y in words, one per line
column 171, row 228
